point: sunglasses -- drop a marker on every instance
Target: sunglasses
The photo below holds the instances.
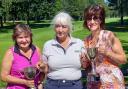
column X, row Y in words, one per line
column 93, row 18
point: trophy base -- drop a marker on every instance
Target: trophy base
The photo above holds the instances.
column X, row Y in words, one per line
column 93, row 77
column 32, row 88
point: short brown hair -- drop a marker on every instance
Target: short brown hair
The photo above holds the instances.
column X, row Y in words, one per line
column 96, row 11
column 21, row 28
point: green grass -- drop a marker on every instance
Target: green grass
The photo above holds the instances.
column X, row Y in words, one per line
column 42, row 32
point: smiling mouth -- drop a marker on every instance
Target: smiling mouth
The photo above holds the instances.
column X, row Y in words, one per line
column 24, row 43
column 61, row 33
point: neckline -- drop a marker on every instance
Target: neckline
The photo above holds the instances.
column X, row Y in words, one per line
column 16, row 50
column 92, row 41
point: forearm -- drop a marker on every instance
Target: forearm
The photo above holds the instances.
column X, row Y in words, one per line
column 12, row 79
column 42, row 78
column 41, row 81
column 117, row 58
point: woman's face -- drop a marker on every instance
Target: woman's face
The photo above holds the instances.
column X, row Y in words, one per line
column 62, row 31
column 23, row 40
column 93, row 23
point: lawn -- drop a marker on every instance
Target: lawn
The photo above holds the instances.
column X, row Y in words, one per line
column 43, row 32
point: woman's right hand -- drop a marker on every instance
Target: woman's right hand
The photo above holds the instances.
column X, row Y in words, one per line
column 29, row 83
column 85, row 62
column 42, row 66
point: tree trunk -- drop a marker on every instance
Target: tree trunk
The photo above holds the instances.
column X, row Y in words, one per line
column 28, row 17
column 121, row 15
column 1, row 21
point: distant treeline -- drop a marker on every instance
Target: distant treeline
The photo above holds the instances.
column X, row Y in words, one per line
column 14, row 10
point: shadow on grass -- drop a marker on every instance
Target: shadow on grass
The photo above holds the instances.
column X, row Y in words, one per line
column 117, row 27
column 33, row 25
column 39, row 25
column 124, row 67
column 125, row 46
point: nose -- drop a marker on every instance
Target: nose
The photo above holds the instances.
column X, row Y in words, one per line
column 60, row 28
column 24, row 39
column 92, row 21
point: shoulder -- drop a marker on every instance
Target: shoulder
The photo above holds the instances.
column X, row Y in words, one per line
column 8, row 54
column 37, row 48
column 10, row 50
column 49, row 42
column 77, row 40
column 110, row 33
column 107, row 32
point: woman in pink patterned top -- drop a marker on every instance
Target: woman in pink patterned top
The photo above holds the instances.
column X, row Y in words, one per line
column 109, row 55
column 23, row 54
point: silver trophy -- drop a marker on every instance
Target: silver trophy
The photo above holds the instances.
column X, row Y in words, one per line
column 91, row 54
column 30, row 73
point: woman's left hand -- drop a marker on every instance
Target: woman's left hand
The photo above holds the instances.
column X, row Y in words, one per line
column 102, row 50
column 40, row 86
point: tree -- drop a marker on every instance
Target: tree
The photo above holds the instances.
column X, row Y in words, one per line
column 6, row 7
column 119, row 5
column 1, row 13
column 14, row 9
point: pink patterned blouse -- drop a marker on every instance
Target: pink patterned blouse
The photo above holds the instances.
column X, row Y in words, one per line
column 111, row 76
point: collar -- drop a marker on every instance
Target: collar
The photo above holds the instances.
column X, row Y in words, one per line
column 71, row 41
column 16, row 49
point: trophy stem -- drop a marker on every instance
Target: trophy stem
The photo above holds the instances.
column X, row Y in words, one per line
column 93, row 68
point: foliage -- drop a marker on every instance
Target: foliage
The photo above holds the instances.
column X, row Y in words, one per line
column 120, row 6
column 1, row 13
column 15, row 10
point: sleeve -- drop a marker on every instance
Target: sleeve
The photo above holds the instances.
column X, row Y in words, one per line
column 83, row 48
column 45, row 53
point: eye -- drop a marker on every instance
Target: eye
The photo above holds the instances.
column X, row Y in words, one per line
column 90, row 18
column 57, row 25
column 64, row 26
column 95, row 18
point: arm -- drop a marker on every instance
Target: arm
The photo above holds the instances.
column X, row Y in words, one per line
column 84, row 60
column 117, row 54
column 43, row 68
column 5, row 71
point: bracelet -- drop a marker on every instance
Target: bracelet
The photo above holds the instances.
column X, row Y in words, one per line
column 40, row 83
column 108, row 54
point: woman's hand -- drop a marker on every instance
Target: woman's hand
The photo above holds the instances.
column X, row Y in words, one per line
column 85, row 62
column 40, row 86
column 102, row 50
column 42, row 66
column 29, row 83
